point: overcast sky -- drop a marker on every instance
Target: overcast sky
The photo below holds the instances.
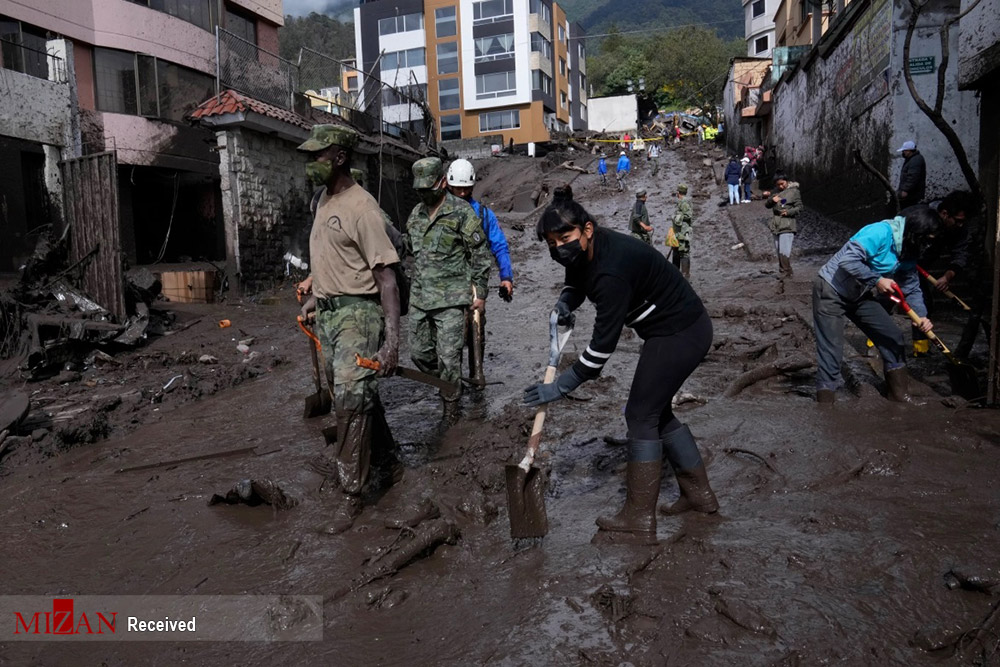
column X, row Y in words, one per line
column 331, row 7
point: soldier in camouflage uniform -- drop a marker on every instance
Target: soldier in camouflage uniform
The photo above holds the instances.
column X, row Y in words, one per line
column 450, row 255
column 357, row 310
column 682, row 231
column 638, row 221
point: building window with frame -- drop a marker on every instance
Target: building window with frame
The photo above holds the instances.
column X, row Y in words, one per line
column 352, row 83
column 403, row 23
column 24, row 49
column 447, row 57
column 562, row 34
column 242, row 25
column 114, row 81
column 500, row 120
column 760, row 44
column 562, row 67
column 540, row 8
column 451, row 127
column 497, row 84
column 400, row 59
column 495, row 47
column 582, row 50
column 197, row 12
column 757, row 8
column 141, row 85
column 444, row 22
column 539, row 44
column 583, row 112
column 491, row 11
column 562, row 99
column 541, row 81
column 448, row 94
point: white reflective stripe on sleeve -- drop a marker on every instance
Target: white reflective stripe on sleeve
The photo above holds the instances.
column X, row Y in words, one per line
column 587, row 362
column 643, row 316
column 597, row 355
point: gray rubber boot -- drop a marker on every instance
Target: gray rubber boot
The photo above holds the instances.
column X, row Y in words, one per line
column 642, row 489
column 898, row 380
column 681, row 451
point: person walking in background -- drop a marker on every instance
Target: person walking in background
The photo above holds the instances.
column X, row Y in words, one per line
column 677, row 134
column 622, row 172
column 638, row 220
column 873, row 264
column 733, row 180
column 786, row 204
column 654, row 156
column 627, row 142
column 746, row 178
column 701, row 134
column 912, row 177
column 602, row 169
column 681, row 227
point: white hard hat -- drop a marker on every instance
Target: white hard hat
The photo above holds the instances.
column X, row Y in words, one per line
column 461, row 174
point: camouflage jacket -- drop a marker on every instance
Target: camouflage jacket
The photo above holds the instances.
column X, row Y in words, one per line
column 682, row 224
column 450, row 255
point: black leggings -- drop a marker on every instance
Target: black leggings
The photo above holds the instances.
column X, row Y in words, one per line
column 664, row 365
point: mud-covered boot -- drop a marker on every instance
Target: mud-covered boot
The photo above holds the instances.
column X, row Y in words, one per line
column 681, row 451
column 898, row 380
column 344, row 516
column 642, row 488
column 785, row 266
column 826, row 396
column 354, row 450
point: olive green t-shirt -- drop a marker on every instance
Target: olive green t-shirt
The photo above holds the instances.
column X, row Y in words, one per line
column 347, row 241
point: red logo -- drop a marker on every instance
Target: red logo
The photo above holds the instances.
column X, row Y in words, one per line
column 62, row 621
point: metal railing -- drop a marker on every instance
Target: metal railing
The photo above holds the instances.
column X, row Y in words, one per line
column 33, row 62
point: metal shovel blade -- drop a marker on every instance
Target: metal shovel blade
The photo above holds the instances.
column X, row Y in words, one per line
column 526, row 501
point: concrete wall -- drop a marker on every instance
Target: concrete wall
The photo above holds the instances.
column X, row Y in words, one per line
column 979, row 48
column 613, row 114
column 829, row 106
column 34, row 109
column 141, row 141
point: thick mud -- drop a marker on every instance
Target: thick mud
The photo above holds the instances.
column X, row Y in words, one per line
column 835, row 542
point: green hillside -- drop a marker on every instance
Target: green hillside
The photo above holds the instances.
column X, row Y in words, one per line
column 596, row 16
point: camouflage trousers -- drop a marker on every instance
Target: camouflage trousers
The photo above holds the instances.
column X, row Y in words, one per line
column 363, row 436
column 644, row 237
column 356, row 328
column 436, row 340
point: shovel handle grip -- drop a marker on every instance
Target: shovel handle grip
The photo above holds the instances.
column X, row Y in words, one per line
column 306, row 331
column 898, row 298
column 536, row 428
column 370, row 364
column 948, row 293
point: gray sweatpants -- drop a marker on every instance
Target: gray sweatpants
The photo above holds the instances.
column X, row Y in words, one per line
column 783, row 243
column 829, row 311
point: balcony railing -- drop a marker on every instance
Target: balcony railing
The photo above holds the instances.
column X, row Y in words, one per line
column 33, row 62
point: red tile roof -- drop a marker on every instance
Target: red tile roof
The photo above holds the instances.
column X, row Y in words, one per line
column 229, row 102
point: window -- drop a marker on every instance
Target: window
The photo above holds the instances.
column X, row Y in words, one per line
column 499, row 120
column 410, row 94
column 241, row 25
column 404, row 23
column 352, row 83
column 757, row 8
column 24, row 48
column 562, row 34
column 451, row 127
column 448, row 97
column 495, row 47
column 198, row 12
column 490, row 11
column 447, row 55
column 444, row 20
column 541, row 45
column 562, row 66
column 143, row 85
column 562, row 99
column 540, row 8
column 498, row 84
column 583, row 84
column 400, row 59
column 541, row 81
column 582, row 51
column 760, row 44
column 583, row 112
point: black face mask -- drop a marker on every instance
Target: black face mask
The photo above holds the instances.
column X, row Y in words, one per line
column 568, row 254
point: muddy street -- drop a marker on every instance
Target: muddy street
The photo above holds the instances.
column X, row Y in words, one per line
column 836, row 531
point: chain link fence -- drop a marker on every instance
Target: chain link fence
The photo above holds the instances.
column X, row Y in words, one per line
column 248, row 69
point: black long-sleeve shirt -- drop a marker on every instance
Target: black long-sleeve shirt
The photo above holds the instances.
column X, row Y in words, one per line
column 630, row 284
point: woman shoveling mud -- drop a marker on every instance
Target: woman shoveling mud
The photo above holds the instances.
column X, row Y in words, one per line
column 632, row 284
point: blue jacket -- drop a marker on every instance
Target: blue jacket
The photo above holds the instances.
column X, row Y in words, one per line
column 602, row 166
column 733, row 173
column 498, row 242
column 624, row 164
column 871, row 254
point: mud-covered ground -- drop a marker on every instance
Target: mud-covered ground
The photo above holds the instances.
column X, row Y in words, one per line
column 837, row 528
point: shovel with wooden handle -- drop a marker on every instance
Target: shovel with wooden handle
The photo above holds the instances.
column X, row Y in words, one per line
column 526, row 482
column 963, row 376
column 933, row 281
column 476, row 353
column 318, row 404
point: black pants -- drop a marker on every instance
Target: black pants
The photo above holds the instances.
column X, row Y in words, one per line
column 664, row 365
